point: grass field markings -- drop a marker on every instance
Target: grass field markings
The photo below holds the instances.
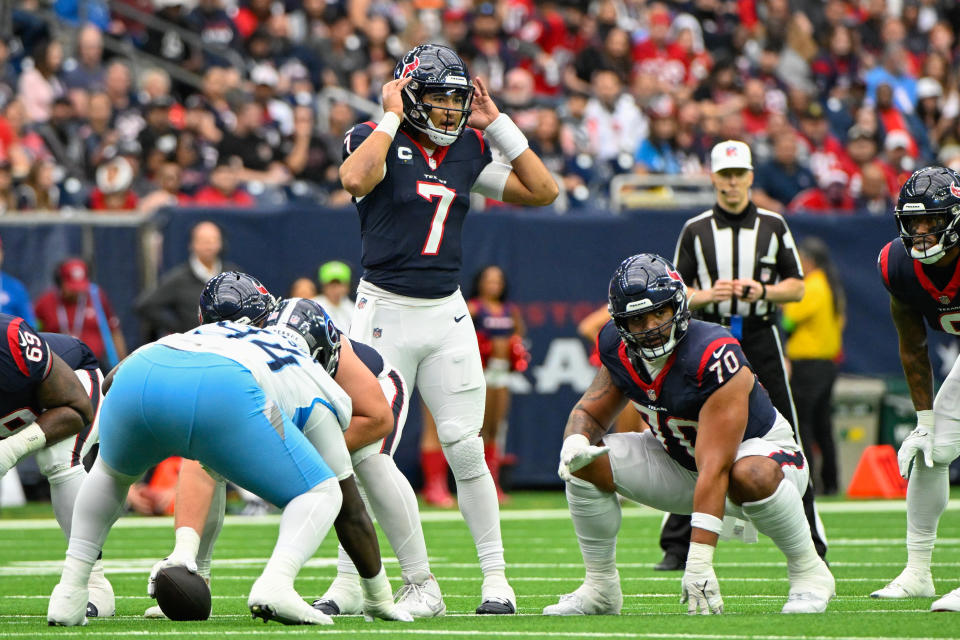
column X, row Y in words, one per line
column 447, row 596
column 506, row 515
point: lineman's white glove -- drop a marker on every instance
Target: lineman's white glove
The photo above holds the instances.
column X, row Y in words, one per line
column 700, row 589
column 184, row 555
column 576, row 453
column 919, row 441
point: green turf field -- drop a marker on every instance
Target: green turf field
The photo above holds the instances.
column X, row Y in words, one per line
column 867, row 549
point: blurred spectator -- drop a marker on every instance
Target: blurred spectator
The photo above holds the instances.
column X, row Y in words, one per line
column 874, row 196
column 893, row 119
column 27, row 145
column 40, row 191
column 61, row 136
column 96, row 133
column 340, row 52
column 14, row 298
column 894, row 72
column 547, row 141
column 171, row 306
column 276, row 112
column 307, row 154
column 755, row 113
column 155, row 494
column 113, row 191
column 8, row 194
column 934, row 114
column 78, row 307
column 615, row 54
column 257, row 147
column 518, row 99
column 40, row 85
column 86, row 71
column 782, row 177
column 127, row 119
column 215, row 28
column 303, row 288
column 168, row 193
column 658, row 153
column 815, row 325
column 167, row 44
column 896, row 148
column 862, row 148
column 334, row 297
column 250, row 15
column 839, row 64
column 158, row 139
column 826, row 153
column 830, row 197
column 613, row 121
column 492, row 54
column 224, row 189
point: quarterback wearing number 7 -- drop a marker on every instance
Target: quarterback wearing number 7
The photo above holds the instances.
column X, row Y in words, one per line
column 411, row 176
column 716, row 447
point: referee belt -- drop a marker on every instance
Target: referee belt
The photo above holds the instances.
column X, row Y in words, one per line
column 750, row 323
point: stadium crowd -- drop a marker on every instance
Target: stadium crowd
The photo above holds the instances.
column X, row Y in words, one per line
column 839, row 99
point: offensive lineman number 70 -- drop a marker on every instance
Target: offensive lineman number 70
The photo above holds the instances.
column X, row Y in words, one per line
column 429, row 191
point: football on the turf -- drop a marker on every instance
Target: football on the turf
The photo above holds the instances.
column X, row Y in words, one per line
column 182, row 595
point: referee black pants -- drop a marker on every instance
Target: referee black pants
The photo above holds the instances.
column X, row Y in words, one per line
column 764, row 350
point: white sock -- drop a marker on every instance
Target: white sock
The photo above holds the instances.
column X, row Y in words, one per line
column 303, row 525
column 780, row 517
column 64, row 487
column 927, row 494
column 211, row 529
column 391, row 498
column 596, row 520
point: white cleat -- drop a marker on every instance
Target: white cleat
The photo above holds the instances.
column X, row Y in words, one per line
column 909, row 584
column 949, row 602
column 154, row 613
column 421, row 599
column 498, row 597
column 588, row 600
column 67, row 607
column 344, row 597
column 283, row 604
column 810, row 593
column 102, row 603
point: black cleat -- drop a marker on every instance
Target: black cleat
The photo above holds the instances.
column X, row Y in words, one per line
column 671, row 562
column 266, row 613
column 92, row 611
column 496, row 607
column 327, row 606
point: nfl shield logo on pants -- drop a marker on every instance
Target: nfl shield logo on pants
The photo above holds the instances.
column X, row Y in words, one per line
column 377, row 332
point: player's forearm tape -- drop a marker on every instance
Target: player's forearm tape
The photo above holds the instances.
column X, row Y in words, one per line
column 188, row 543
column 389, row 124
column 700, row 554
column 18, row 445
column 707, row 522
column 506, row 135
column 925, row 419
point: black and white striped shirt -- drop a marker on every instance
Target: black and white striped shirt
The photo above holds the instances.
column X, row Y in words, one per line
column 756, row 244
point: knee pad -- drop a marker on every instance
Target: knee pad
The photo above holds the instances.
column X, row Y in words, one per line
column 64, row 475
column 945, row 454
column 465, row 458
column 55, row 458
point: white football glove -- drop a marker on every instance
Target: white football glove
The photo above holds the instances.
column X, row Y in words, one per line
column 576, row 453
column 699, row 588
column 172, row 561
column 919, row 441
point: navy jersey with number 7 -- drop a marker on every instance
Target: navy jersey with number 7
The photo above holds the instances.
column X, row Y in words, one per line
column 705, row 360
column 411, row 222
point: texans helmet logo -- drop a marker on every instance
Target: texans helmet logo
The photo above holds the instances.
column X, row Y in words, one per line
column 673, row 274
column 955, row 190
column 262, row 289
column 410, row 66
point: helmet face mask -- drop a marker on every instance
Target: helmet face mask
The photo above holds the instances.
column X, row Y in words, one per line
column 647, row 284
column 437, row 72
column 928, row 212
column 237, row 297
column 308, row 325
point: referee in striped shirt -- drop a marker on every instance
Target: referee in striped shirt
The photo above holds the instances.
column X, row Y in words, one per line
column 740, row 262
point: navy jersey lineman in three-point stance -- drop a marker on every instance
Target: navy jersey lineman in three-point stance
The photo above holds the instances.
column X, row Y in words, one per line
column 411, row 177
column 716, row 447
column 31, row 388
column 922, row 274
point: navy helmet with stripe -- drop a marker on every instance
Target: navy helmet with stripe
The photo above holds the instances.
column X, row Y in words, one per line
column 931, row 193
column 641, row 284
column 307, row 324
column 435, row 69
column 237, row 297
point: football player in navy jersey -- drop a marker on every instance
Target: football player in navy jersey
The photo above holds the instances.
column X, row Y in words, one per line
column 716, row 447
column 922, row 274
column 50, row 399
column 411, row 177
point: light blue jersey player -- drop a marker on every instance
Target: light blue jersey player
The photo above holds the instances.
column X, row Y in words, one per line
column 233, row 397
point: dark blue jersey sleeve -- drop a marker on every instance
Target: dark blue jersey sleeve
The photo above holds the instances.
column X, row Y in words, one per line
column 25, row 357
column 74, row 352
column 368, row 356
column 720, row 360
column 355, row 137
column 608, row 348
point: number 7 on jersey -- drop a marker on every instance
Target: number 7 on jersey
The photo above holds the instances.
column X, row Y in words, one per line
column 429, row 191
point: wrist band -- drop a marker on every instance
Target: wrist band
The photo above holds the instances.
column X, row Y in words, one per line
column 925, row 419
column 506, row 135
column 707, row 522
column 763, row 291
column 389, row 124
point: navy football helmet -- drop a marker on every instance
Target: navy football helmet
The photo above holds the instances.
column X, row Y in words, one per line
column 644, row 283
column 235, row 296
column 435, row 69
column 932, row 192
column 307, row 324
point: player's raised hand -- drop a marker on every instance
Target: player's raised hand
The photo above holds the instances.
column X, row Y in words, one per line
column 393, row 95
column 485, row 110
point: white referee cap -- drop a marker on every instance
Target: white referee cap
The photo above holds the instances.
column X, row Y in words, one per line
column 730, row 154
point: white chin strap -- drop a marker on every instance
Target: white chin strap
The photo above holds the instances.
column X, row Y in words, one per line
column 926, row 257
column 441, row 139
